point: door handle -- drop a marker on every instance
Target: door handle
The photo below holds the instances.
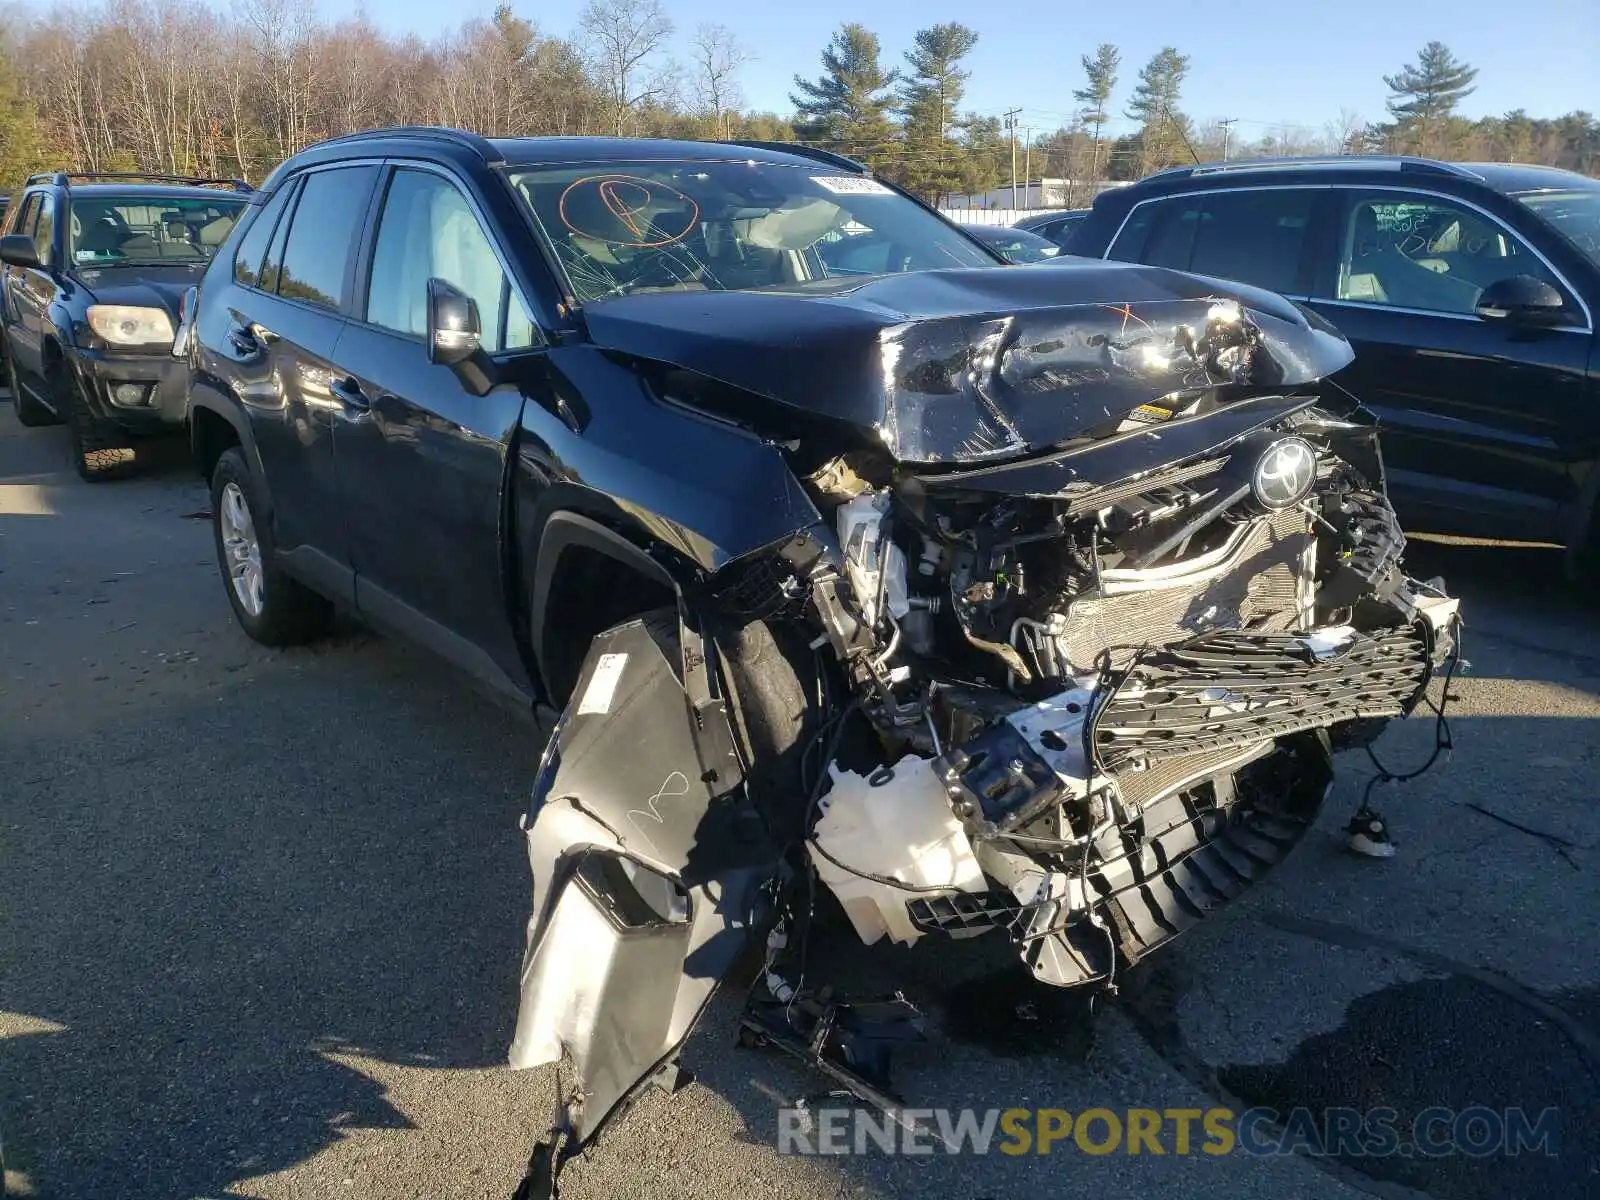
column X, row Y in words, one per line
column 349, row 393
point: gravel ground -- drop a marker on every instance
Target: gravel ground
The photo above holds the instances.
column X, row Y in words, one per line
column 261, row 917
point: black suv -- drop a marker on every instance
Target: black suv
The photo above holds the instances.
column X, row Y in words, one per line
column 1468, row 290
column 777, row 480
column 94, row 268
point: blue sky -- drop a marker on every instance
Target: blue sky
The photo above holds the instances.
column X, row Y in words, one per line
column 1262, row 61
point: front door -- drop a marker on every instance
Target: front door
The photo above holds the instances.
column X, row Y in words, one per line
column 29, row 290
column 423, row 464
column 1484, row 422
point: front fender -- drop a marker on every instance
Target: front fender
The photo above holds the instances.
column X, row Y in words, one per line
column 648, row 870
column 206, row 397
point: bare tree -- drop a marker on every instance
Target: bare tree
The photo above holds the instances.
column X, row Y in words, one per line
column 716, row 56
column 1343, row 133
column 624, row 40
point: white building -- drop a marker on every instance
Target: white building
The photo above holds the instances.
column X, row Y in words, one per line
column 1035, row 193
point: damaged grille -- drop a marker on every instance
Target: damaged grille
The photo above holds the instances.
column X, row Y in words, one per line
column 1230, row 688
column 1253, row 585
column 1139, row 788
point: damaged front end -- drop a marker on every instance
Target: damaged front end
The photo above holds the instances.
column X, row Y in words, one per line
column 1078, row 700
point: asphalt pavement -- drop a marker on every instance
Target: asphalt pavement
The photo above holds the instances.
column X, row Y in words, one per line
column 261, row 918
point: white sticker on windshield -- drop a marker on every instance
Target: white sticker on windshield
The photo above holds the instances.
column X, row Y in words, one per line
column 602, row 684
column 851, row 185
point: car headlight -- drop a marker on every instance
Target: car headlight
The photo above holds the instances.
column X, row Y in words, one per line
column 131, row 325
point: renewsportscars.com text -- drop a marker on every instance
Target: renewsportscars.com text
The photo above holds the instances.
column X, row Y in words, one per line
column 1476, row 1132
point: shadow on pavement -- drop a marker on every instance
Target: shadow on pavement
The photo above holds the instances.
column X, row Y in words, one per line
column 326, row 861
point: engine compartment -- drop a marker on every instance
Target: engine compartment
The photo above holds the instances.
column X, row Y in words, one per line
column 1126, row 696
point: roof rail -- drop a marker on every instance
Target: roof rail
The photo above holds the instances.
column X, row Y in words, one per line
column 1351, row 162
column 801, row 150
column 65, row 178
column 478, row 144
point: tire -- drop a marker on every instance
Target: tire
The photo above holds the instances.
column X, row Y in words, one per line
column 30, row 412
column 272, row 608
column 101, row 451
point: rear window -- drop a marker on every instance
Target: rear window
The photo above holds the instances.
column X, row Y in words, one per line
column 253, row 245
column 323, row 233
column 1256, row 237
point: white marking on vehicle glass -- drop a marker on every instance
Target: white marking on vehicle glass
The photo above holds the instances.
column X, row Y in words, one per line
column 851, row 185
column 602, row 684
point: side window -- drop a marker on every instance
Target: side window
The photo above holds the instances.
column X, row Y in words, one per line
column 428, row 231
column 1254, row 237
column 272, row 265
column 1159, row 232
column 44, row 230
column 322, row 234
column 253, row 246
column 1426, row 252
column 29, row 210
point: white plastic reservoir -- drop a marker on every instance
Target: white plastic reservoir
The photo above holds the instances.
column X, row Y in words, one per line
column 902, row 829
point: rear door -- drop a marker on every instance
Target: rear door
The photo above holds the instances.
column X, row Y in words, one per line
column 1484, row 421
column 422, row 460
column 282, row 333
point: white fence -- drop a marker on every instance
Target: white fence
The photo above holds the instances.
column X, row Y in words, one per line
column 992, row 216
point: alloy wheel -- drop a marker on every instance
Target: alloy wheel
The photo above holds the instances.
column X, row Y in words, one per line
column 243, row 549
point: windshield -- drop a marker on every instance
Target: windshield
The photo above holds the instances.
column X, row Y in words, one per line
column 142, row 230
column 1017, row 245
column 1575, row 212
column 626, row 227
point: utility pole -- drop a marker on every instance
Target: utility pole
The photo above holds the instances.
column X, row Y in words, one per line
column 1027, row 168
column 1227, row 129
column 1011, row 126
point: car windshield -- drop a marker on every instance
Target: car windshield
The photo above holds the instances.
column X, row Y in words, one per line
column 1018, row 245
column 144, row 230
column 622, row 228
column 1575, row 213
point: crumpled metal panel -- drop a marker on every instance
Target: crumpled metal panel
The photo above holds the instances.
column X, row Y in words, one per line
column 967, row 366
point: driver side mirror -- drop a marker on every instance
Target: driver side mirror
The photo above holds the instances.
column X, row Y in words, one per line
column 1523, row 300
column 18, row 250
column 454, row 332
column 455, row 336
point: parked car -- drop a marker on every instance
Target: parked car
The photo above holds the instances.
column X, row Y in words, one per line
column 1056, row 226
column 94, row 266
column 1014, row 245
column 1468, row 291
column 828, row 571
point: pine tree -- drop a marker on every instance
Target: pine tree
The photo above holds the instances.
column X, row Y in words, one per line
column 847, row 109
column 1101, row 71
column 1155, row 106
column 929, row 95
column 1425, row 95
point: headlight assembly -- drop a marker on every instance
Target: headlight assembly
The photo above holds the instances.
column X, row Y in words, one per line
column 130, row 325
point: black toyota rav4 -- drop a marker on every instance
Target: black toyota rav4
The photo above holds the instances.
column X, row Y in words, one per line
column 94, row 266
column 1018, row 602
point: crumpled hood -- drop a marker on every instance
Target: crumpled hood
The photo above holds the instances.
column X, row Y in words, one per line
column 146, row 286
column 980, row 364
